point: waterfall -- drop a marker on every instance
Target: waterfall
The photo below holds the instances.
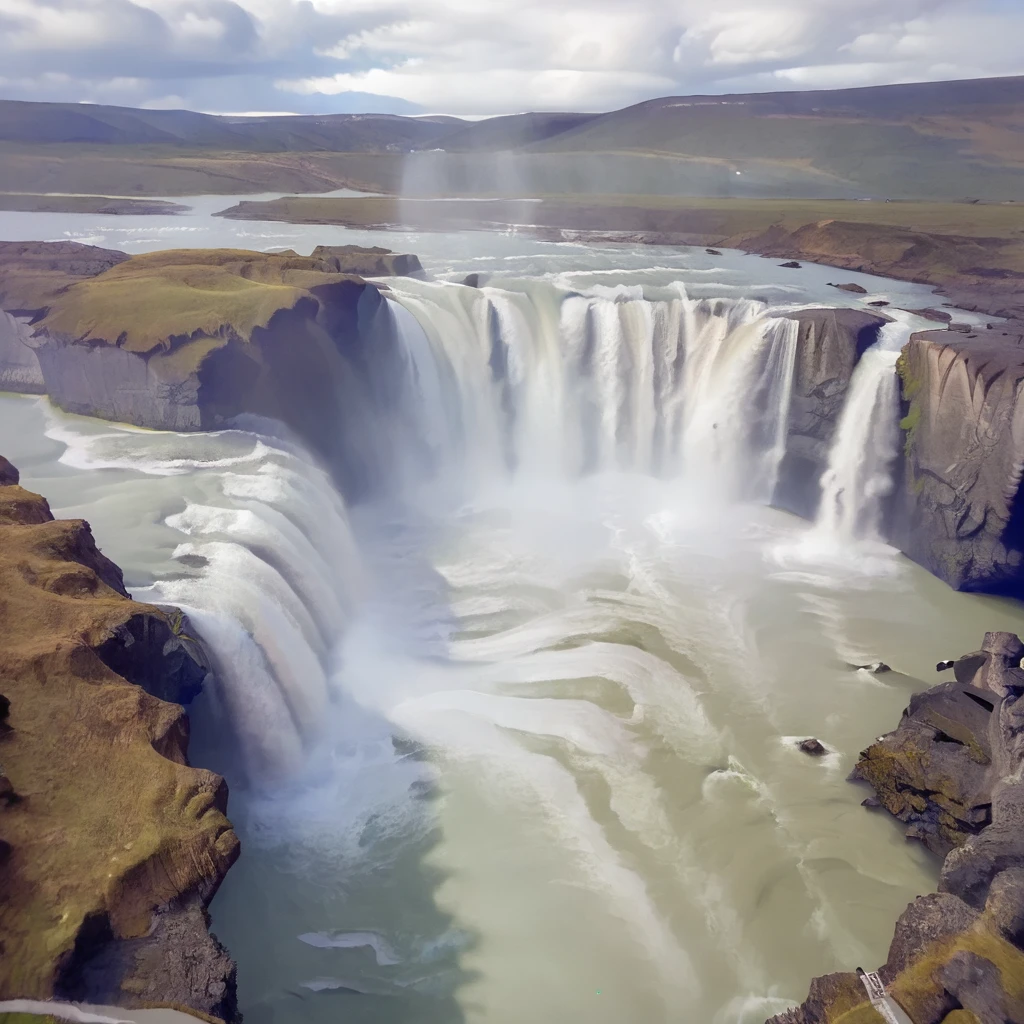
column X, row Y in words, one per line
column 860, row 462
column 271, row 583
column 536, row 378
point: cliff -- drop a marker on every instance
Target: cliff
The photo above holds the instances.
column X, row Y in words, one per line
column 959, row 509
column 111, row 845
column 829, row 344
column 954, row 772
column 190, row 339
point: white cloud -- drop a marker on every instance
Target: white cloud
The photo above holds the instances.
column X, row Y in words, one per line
column 486, row 56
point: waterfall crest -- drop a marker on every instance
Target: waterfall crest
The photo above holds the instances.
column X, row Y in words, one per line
column 538, row 379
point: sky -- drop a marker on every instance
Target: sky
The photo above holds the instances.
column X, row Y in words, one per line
column 484, row 57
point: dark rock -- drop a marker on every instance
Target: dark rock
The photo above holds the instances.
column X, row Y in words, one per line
column 879, row 302
column 474, row 280
column 712, row 252
column 791, row 265
column 942, row 666
column 855, row 289
column 829, row 344
column 938, row 315
column 954, row 770
column 366, row 262
column 813, row 747
column 933, row 918
column 958, row 508
column 1005, row 905
column 7, row 794
column 976, row 985
column 8, row 473
column 159, row 653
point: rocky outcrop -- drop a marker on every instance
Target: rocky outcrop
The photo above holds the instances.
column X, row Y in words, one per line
column 111, row 845
column 190, row 340
column 829, row 344
column 959, row 508
column 33, row 274
column 954, row 772
column 19, row 367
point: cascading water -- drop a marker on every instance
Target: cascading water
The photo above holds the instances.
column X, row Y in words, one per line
column 860, row 464
column 551, row 382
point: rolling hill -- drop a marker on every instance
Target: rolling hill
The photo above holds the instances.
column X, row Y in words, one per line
column 942, row 140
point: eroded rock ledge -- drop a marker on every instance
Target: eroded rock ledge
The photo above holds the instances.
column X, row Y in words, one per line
column 191, row 339
column 954, row 772
column 111, row 845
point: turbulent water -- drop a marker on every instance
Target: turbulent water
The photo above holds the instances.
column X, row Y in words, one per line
column 516, row 739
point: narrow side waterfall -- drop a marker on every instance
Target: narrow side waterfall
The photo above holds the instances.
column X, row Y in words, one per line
column 538, row 379
column 859, row 474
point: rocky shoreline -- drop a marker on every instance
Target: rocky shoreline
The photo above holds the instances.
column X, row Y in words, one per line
column 953, row 771
column 111, row 844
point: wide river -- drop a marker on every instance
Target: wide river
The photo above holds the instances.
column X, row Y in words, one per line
column 535, row 755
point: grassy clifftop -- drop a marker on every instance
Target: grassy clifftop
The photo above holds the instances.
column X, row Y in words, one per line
column 106, row 834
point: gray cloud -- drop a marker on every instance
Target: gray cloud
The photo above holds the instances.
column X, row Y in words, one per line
column 492, row 56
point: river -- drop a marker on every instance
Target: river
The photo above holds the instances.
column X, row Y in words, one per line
column 517, row 739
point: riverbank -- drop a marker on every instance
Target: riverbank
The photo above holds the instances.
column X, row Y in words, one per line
column 971, row 252
column 116, row 206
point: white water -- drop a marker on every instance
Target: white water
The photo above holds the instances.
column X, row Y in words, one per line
column 517, row 742
column 550, row 382
column 859, row 475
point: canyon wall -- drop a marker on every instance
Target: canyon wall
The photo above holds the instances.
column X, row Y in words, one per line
column 111, row 845
column 959, row 509
column 953, row 771
column 829, row 344
column 193, row 339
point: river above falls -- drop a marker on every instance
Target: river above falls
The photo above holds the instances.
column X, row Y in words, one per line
column 524, row 747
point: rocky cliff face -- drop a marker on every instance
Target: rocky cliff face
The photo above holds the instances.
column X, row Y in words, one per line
column 959, row 507
column 189, row 340
column 829, row 344
column 954, row 772
column 111, row 845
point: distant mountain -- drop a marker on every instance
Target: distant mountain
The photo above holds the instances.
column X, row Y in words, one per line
column 941, row 140
column 24, row 122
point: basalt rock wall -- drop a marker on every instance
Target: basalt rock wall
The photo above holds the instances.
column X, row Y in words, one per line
column 953, row 771
column 959, row 509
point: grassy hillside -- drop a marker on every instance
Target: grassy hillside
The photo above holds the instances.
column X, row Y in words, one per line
column 942, row 141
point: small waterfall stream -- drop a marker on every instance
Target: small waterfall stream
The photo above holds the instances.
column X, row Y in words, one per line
column 860, row 465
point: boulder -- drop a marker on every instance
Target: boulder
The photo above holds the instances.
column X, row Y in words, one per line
column 854, row 289
column 813, row 747
column 791, row 265
column 713, row 252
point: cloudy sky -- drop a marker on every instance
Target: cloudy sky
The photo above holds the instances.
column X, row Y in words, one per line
column 478, row 57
